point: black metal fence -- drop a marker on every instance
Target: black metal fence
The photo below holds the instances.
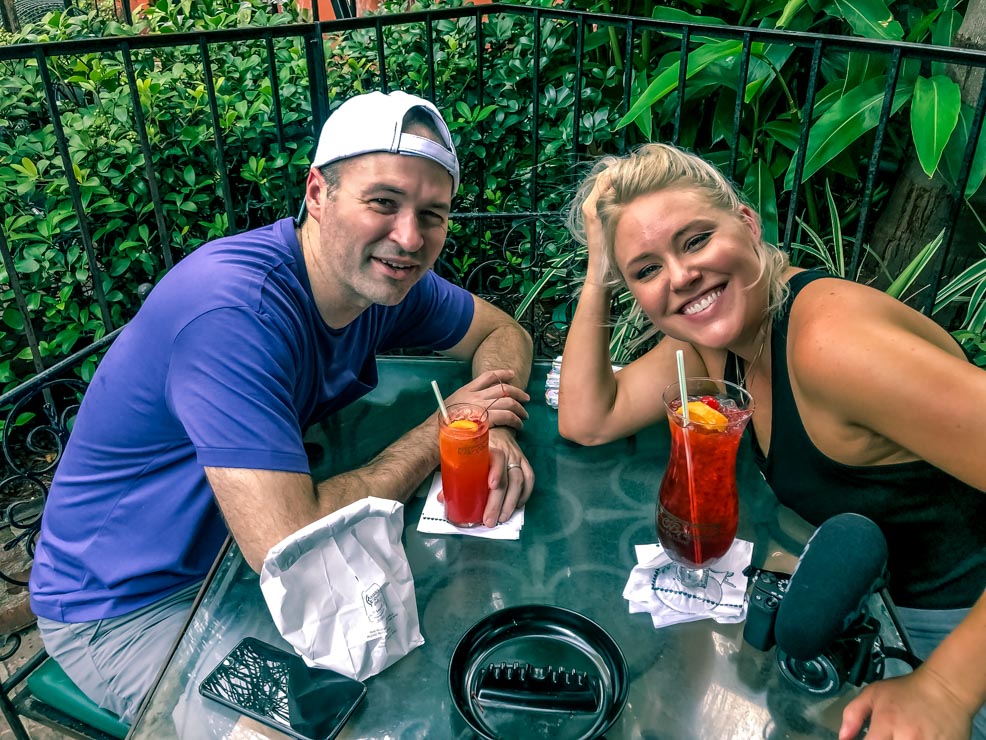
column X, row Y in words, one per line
column 22, row 12
column 540, row 89
column 19, row 13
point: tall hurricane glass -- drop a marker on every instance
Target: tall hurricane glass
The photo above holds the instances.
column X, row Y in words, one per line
column 698, row 505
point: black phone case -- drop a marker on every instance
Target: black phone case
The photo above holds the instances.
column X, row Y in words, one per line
column 275, row 687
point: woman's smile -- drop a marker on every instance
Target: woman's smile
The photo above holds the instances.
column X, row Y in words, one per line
column 703, row 303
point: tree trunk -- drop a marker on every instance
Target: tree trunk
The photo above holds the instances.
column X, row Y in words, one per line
column 918, row 207
column 8, row 14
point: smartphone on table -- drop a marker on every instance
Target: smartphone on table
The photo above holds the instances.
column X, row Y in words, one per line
column 275, row 687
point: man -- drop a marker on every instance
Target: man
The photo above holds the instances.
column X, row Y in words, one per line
column 196, row 414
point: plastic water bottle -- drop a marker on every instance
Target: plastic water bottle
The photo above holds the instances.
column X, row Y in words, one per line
column 551, row 384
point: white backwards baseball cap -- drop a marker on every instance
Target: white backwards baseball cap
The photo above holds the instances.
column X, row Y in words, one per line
column 372, row 123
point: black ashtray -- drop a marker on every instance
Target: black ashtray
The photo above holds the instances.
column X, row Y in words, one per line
column 538, row 671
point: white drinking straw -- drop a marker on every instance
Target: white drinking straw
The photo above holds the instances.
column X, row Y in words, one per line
column 441, row 401
column 680, row 357
column 689, row 468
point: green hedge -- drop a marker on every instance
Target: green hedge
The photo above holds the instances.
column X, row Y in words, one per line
column 492, row 124
column 525, row 264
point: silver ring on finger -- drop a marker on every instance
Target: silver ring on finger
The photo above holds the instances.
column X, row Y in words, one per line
column 511, row 466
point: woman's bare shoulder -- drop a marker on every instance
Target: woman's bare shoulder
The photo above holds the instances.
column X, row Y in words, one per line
column 833, row 313
column 866, row 361
column 833, row 293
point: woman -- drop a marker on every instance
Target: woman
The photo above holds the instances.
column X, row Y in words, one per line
column 862, row 404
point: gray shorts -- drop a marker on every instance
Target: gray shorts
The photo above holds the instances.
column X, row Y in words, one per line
column 926, row 628
column 114, row 661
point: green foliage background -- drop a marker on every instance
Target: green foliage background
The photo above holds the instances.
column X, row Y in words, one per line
column 928, row 117
column 97, row 115
column 517, row 143
column 493, row 125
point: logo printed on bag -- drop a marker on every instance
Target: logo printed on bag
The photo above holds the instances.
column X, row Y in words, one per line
column 374, row 604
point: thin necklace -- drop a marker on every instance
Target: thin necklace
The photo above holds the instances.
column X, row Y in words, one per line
column 745, row 372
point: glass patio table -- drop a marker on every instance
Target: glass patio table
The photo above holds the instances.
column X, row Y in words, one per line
column 589, row 508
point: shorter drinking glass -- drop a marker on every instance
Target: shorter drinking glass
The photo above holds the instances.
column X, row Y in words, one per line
column 464, row 442
column 698, row 504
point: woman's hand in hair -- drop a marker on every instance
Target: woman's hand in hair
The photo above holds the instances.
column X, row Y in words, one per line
column 595, row 237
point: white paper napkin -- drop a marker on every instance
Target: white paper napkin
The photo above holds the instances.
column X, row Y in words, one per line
column 728, row 571
column 433, row 519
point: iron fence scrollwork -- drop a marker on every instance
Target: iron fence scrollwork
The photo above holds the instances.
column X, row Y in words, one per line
column 35, row 431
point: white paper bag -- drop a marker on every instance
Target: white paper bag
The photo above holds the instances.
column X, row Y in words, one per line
column 341, row 592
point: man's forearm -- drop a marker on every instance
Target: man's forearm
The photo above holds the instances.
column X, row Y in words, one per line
column 508, row 346
column 394, row 474
column 398, row 471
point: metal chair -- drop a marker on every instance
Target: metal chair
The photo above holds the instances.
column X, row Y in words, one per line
column 34, row 435
column 32, row 11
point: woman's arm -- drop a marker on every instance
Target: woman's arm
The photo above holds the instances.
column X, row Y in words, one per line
column 880, row 368
column 595, row 405
column 937, row 700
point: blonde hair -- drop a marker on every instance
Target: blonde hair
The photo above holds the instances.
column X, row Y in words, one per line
column 655, row 167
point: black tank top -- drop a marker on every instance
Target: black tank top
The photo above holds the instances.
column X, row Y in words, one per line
column 935, row 525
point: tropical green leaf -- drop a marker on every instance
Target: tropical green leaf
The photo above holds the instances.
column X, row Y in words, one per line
column 914, row 268
column 27, row 266
column 910, row 70
column 645, row 123
column 861, row 67
column 958, row 285
column 667, row 80
column 534, row 292
column 934, row 112
column 27, row 167
column 24, row 418
column 785, row 133
column 955, row 153
column 816, row 248
column 843, row 123
column 822, row 255
column 871, row 19
column 837, row 244
column 791, row 8
column 975, row 317
column 13, row 318
column 759, row 189
column 943, row 34
column 722, row 118
column 663, row 13
column 765, row 62
column 829, row 95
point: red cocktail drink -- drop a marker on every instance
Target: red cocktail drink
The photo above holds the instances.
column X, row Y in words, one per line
column 465, row 451
column 698, row 528
column 698, row 505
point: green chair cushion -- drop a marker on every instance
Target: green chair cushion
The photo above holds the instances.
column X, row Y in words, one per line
column 48, row 683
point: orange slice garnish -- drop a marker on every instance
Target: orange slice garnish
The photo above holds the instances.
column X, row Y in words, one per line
column 465, row 424
column 703, row 414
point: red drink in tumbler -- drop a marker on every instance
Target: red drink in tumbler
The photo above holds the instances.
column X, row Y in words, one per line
column 464, row 442
column 698, row 504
